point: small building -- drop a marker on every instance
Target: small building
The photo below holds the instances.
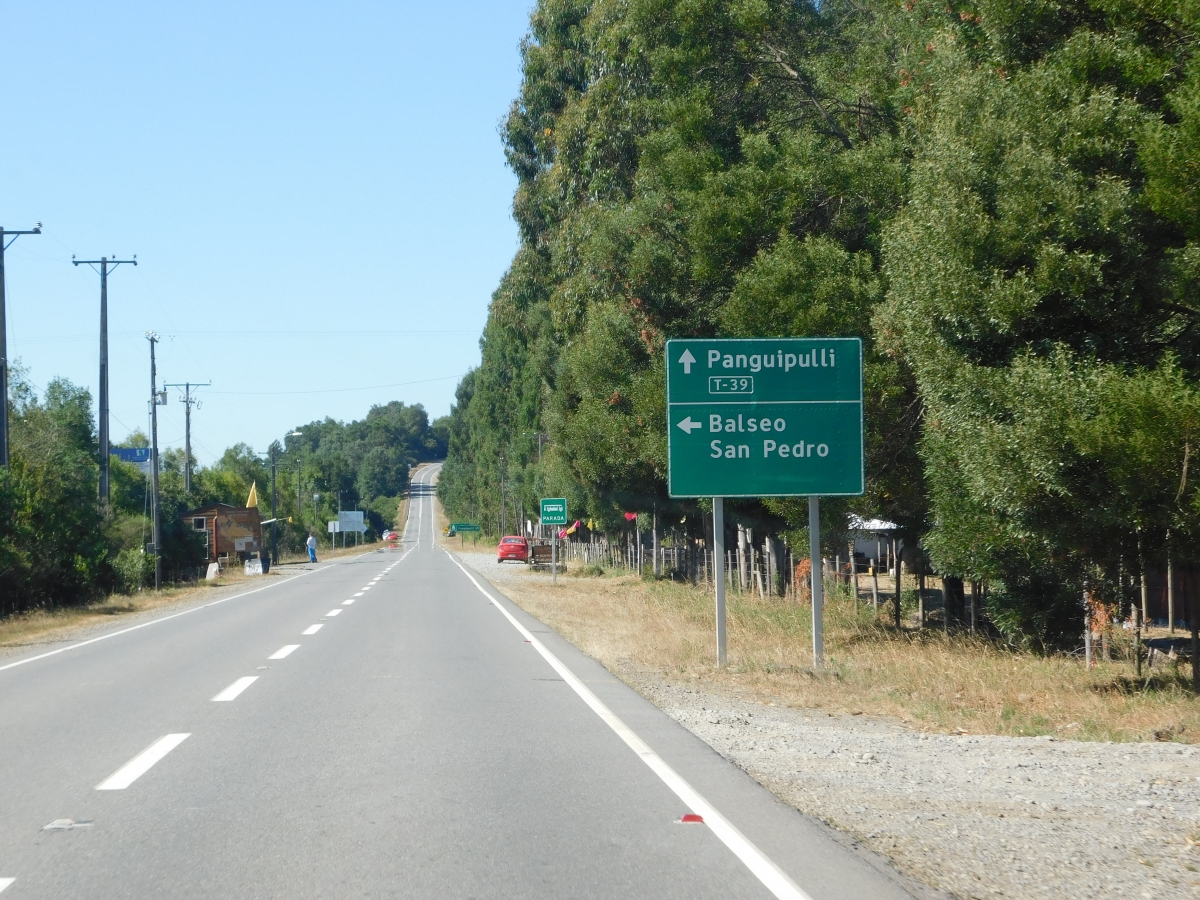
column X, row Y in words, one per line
column 873, row 542
column 229, row 532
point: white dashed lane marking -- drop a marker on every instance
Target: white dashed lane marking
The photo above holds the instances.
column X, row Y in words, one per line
column 231, row 692
column 347, row 602
column 334, row 612
column 311, row 629
column 5, row 882
column 284, row 651
column 141, row 764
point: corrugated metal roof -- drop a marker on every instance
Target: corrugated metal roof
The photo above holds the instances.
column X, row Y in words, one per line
column 858, row 523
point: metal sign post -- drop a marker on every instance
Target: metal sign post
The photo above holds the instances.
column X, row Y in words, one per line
column 765, row 417
column 719, row 572
column 461, row 528
column 554, row 512
column 816, row 573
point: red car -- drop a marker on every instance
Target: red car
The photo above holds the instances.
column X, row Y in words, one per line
column 513, row 547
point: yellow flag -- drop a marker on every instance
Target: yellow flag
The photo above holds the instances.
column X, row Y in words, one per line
column 252, row 500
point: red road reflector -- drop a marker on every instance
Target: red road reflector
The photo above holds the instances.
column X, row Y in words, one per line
column 691, row 819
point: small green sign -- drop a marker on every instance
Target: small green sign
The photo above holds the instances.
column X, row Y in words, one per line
column 764, row 417
column 554, row 511
column 462, row 526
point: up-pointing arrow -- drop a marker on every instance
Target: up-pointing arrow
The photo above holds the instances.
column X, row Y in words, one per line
column 687, row 359
column 688, row 425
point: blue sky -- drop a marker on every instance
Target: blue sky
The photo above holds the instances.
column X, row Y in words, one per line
column 316, row 194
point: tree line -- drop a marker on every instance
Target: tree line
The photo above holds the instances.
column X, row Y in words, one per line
column 1000, row 197
column 60, row 547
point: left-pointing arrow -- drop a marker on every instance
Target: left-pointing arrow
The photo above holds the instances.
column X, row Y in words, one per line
column 689, row 426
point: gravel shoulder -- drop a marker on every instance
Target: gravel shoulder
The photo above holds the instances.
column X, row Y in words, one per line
column 976, row 815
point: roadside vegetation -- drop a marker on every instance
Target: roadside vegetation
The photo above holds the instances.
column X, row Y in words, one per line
column 60, row 550
column 927, row 678
column 1000, row 198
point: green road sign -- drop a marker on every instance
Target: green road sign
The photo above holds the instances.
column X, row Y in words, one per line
column 764, row 417
column 554, row 511
column 462, row 526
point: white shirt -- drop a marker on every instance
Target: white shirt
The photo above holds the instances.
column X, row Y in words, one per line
column 311, row 542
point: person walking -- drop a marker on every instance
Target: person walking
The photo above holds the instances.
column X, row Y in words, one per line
column 311, row 543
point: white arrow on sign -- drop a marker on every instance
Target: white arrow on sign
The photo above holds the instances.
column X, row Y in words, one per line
column 688, row 425
column 687, row 359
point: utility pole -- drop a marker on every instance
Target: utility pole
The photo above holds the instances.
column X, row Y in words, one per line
column 274, row 515
column 156, row 400
column 105, row 265
column 4, row 245
column 299, row 505
column 540, row 437
column 188, row 400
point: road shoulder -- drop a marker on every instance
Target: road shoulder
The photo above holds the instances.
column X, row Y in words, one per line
column 977, row 815
column 820, row 859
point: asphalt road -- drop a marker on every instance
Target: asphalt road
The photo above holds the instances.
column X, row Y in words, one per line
column 423, row 738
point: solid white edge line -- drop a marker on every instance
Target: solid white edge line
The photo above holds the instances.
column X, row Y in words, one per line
column 231, row 692
column 284, row 651
column 141, row 764
column 311, row 629
column 5, row 882
column 772, row 877
column 105, row 637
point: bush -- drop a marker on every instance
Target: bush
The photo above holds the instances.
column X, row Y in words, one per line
column 134, row 570
column 1036, row 606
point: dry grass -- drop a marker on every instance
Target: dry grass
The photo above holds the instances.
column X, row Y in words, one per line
column 929, row 679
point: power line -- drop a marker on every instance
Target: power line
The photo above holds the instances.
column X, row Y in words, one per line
column 71, row 338
column 369, row 387
column 339, row 333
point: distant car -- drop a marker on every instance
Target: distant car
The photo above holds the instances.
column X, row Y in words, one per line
column 513, row 547
column 390, row 535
